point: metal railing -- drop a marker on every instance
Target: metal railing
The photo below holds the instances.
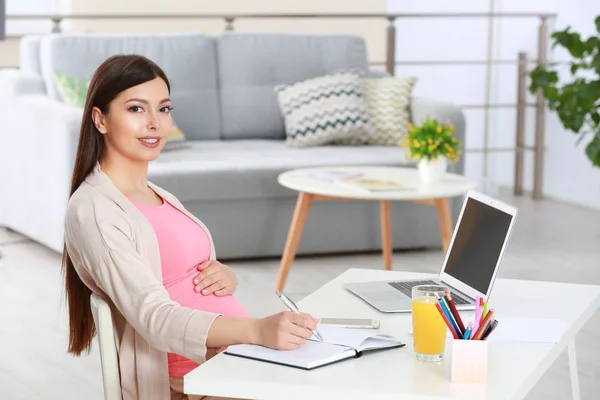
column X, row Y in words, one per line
column 390, row 63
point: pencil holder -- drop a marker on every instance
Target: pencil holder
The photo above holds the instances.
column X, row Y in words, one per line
column 469, row 361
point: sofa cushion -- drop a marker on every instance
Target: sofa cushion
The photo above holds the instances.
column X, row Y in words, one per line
column 73, row 91
column 251, row 65
column 324, row 109
column 248, row 169
column 388, row 100
column 187, row 59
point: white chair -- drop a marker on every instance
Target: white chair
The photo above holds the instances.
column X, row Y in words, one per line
column 108, row 348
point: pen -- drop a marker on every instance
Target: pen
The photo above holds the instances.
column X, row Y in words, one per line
column 290, row 304
column 477, row 321
column 484, row 309
column 468, row 331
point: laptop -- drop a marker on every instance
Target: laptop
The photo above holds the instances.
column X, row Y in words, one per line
column 471, row 263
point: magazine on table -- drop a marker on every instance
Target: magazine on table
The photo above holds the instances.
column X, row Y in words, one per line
column 356, row 180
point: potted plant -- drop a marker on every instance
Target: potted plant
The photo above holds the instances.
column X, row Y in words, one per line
column 433, row 145
column 576, row 99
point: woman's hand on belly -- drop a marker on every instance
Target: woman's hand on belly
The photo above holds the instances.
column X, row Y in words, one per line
column 216, row 278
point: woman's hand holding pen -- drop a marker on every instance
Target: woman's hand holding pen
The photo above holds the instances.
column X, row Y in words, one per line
column 285, row 330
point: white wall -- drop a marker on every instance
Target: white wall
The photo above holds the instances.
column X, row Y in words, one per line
column 9, row 48
column 373, row 30
column 467, row 38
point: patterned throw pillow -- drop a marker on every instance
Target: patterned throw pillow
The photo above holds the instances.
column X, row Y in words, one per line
column 388, row 100
column 73, row 90
column 176, row 139
column 323, row 109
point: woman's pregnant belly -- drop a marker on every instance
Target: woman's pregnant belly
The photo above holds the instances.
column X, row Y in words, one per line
column 183, row 292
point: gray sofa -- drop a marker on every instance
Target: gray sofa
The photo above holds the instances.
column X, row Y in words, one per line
column 222, row 90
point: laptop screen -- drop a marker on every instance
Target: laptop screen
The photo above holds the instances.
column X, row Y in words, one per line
column 478, row 244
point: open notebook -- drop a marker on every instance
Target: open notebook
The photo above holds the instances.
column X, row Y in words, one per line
column 338, row 344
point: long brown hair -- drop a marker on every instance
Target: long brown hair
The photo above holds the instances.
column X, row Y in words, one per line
column 116, row 74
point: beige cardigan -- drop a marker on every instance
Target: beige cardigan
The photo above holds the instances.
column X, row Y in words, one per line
column 115, row 252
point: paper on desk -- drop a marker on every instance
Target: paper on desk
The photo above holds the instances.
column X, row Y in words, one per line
column 528, row 330
column 531, row 330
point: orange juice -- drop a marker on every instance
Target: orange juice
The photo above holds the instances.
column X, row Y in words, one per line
column 429, row 329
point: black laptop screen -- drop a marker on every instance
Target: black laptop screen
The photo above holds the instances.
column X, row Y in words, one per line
column 477, row 245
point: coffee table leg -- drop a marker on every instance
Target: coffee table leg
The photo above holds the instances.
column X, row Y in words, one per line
column 386, row 234
column 445, row 219
column 574, row 372
column 294, row 234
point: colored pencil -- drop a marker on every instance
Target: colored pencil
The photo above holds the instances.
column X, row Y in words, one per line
column 455, row 312
column 446, row 309
column 439, row 307
column 483, row 325
column 489, row 331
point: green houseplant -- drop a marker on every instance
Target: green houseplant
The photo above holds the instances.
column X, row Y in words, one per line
column 433, row 145
column 576, row 100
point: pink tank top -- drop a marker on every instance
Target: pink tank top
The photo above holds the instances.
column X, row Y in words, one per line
column 183, row 244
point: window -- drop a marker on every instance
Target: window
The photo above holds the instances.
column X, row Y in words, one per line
column 31, row 7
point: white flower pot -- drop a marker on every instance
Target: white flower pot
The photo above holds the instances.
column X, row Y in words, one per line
column 432, row 170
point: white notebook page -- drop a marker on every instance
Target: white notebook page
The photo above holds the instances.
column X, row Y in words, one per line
column 352, row 337
column 308, row 355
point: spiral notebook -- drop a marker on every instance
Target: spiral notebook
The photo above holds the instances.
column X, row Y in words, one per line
column 338, row 344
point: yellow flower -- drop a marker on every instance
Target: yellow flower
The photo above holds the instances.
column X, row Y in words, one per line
column 439, row 129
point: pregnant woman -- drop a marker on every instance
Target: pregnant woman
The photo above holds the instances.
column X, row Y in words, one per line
column 135, row 244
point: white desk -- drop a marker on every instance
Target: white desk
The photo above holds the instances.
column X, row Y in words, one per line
column 514, row 368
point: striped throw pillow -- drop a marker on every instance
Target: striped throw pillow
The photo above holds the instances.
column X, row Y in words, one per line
column 324, row 109
column 388, row 100
column 176, row 139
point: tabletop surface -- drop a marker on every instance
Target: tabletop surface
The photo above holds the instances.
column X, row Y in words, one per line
column 302, row 181
column 513, row 368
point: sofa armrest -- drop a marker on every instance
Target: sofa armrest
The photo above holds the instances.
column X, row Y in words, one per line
column 14, row 82
column 49, row 129
column 39, row 141
column 421, row 107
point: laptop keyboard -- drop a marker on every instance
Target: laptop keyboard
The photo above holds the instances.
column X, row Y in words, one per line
column 406, row 288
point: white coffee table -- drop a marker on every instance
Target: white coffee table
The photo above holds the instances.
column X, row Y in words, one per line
column 513, row 368
column 310, row 189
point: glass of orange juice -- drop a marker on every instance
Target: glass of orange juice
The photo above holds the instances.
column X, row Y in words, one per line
column 429, row 328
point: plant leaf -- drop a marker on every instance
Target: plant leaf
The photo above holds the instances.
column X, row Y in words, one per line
column 593, row 150
column 542, row 78
column 598, row 24
column 596, row 118
column 593, row 43
column 574, row 68
column 595, row 63
column 570, row 41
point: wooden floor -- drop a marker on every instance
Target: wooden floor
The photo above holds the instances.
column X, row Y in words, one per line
column 552, row 241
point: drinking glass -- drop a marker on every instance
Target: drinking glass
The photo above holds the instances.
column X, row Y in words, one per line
column 429, row 328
